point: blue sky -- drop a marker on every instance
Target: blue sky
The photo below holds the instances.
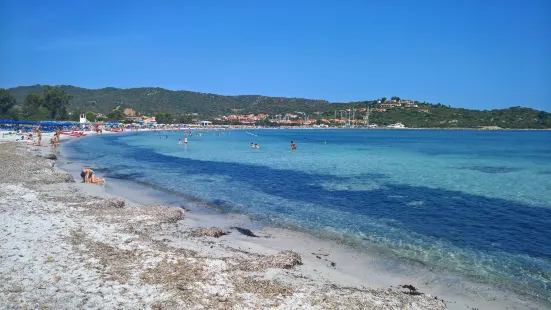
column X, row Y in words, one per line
column 473, row 54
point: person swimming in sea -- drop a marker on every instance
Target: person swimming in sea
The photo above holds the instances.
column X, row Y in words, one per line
column 256, row 146
column 293, row 146
column 185, row 140
column 252, row 145
column 179, row 141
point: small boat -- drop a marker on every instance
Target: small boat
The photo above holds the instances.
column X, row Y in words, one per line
column 397, row 125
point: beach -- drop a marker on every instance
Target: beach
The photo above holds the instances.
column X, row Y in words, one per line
column 69, row 245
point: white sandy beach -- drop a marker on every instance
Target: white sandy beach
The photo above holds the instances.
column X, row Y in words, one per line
column 69, row 245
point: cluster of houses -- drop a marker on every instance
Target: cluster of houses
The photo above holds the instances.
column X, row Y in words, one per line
column 297, row 118
column 396, row 103
column 243, row 119
column 130, row 114
column 288, row 118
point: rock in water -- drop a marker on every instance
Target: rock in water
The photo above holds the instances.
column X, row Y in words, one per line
column 50, row 156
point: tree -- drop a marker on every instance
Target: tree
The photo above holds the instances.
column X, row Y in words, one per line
column 32, row 105
column 7, row 101
column 164, row 118
column 383, row 100
column 542, row 115
column 115, row 115
column 395, row 98
column 56, row 102
column 90, row 116
column 184, row 119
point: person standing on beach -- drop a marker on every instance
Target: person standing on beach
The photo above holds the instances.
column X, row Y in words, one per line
column 53, row 141
column 57, row 134
column 39, row 134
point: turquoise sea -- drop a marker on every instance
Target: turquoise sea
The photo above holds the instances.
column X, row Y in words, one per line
column 471, row 203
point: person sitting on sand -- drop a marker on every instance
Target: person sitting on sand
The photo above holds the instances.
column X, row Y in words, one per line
column 88, row 176
column 85, row 173
column 94, row 179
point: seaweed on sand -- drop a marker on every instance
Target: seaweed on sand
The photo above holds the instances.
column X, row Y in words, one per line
column 264, row 288
column 245, row 231
column 412, row 289
column 208, row 232
column 282, row 260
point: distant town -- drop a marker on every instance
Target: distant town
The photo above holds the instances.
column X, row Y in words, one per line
column 345, row 117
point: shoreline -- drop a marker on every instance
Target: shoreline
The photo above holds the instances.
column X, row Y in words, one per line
column 317, row 256
column 388, row 271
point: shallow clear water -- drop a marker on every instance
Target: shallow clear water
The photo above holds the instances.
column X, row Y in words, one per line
column 473, row 203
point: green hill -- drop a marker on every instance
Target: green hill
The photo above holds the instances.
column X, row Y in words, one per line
column 446, row 117
column 153, row 100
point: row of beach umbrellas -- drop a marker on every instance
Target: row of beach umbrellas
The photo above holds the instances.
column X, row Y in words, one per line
column 35, row 123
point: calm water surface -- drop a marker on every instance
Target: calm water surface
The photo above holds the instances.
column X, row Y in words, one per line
column 466, row 202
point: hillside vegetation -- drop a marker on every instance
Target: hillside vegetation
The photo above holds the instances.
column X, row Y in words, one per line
column 440, row 116
column 151, row 101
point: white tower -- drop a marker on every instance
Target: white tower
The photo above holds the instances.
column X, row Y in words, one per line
column 83, row 119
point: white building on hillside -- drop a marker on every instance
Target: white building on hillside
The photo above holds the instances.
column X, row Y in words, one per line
column 204, row 123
